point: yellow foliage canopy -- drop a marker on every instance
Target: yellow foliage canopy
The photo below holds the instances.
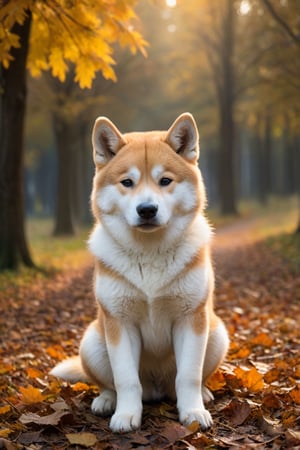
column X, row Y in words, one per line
column 80, row 32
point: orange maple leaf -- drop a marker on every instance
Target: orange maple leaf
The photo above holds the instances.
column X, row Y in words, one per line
column 56, row 351
column 262, row 339
column 216, row 381
column 250, row 379
column 30, row 395
column 4, row 409
column 34, row 373
column 79, row 387
column 295, row 394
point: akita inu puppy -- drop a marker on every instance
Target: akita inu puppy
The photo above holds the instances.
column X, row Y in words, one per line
column 156, row 334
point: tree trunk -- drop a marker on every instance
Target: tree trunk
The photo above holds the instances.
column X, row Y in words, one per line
column 227, row 174
column 65, row 173
column 288, row 180
column 298, row 225
column 265, row 168
column 13, row 244
column 227, row 177
column 296, row 175
column 257, row 151
column 81, row 184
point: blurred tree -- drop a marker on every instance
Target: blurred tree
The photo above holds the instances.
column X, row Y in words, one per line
column 252, row 60
column 289, row 25
column 70, row 120
column 40, row 158
column 278, row 91
column 212, row 32
column 47, row 35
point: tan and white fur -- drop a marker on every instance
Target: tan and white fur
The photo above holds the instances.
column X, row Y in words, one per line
column 156, row 333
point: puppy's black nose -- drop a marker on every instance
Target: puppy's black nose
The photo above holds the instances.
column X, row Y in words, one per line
column 147, row 210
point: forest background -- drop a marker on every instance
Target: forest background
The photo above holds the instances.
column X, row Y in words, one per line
column 233, row 64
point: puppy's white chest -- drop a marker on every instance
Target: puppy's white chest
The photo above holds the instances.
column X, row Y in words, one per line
column 151, row 276
column 150, row 273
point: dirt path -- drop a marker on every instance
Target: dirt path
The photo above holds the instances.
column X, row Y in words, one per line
column 257, row 399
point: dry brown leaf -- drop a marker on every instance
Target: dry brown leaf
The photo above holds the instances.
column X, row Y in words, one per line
column 237, row 411
column 83, row 439
column 173, row 431
column 293, row 438
column 270, row 426
column 167, row 411
column 29, row 437
column 51, row 419
column 272, row 375
column 271, row 401
column 8, row 445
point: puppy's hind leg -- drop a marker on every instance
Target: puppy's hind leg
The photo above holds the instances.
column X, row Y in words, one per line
column 95, row 361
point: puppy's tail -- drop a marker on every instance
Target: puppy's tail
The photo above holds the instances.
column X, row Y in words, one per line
column 70, row 370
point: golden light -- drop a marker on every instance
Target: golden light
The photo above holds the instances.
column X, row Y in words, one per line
column 245, row 7
column 171, row 3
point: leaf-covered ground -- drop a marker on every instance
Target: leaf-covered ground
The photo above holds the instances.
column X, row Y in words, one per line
column 257, row 393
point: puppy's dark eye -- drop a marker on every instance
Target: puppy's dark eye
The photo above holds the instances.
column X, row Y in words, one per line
column 127, row 182
column 165, row 181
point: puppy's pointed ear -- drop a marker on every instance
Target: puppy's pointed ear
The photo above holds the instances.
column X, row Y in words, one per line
column 107, row 140
column 183, row 137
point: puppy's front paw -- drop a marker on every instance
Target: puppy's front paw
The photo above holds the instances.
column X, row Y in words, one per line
column 125, row 422
column 202, row 416
column 105, row 403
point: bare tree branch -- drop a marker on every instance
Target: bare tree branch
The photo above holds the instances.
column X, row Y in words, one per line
column 281, row 21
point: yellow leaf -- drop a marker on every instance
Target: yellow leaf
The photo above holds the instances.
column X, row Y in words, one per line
column 250, row 379
column 5, row 432
column 194, row 426
column 57, row 64
column 55, row 386
column 82, row 34
column 84, row 439
column 240, row 354
column 4, row 409
column 30, row 395
column 79, row 387
column 56, row 351
column 5, row 368
column 34, row 373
